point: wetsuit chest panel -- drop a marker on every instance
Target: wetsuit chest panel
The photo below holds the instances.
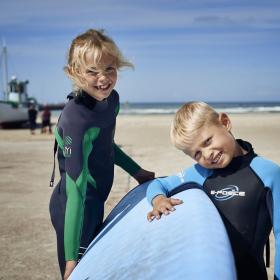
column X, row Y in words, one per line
column 104, row 147
column 238, row 196
column 101, row 162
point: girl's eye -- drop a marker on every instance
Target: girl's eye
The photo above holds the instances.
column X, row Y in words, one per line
column 92, row 73
column 110, row 69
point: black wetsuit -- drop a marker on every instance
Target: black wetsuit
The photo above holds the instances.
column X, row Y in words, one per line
column 247, row 195
column 87, row 154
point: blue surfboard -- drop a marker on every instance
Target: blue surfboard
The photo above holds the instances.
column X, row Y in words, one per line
column 190, row 243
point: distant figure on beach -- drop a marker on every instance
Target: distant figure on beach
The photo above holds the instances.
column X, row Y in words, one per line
column 244, row 187
column 87, row 151
column 46, row 120
column 32, row 116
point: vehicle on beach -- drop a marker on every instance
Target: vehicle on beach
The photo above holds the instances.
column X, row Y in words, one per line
column 15, row 102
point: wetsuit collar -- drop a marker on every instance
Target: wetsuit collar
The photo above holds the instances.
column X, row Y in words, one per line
column 88, row 101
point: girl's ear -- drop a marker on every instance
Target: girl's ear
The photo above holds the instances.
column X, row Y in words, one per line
column 68, row 70
column 225, row 121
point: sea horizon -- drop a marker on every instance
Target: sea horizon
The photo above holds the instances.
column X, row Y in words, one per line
column 133, row 108
column 166, row 108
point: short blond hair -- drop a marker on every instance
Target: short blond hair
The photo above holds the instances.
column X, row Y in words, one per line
column 188, row 119
column 97, row 44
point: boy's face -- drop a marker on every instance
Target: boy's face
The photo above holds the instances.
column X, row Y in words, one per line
column 213, row 146
column 100, row 78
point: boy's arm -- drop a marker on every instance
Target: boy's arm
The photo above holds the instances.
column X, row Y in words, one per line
column 159, row 190
column 269, row 172
column 196, row 174
column 163, row 186
column 276, row 221
column 131, row 167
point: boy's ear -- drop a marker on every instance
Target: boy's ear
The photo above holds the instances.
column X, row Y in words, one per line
column 225, row 121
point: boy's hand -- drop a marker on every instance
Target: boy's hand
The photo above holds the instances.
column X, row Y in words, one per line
column 162, row 205
column 70, row 265
column 143, row 175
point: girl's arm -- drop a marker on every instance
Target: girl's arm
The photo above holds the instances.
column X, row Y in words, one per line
column 131, row 167
column 125, row 162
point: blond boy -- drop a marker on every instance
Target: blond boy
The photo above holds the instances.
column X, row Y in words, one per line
column 244, row 187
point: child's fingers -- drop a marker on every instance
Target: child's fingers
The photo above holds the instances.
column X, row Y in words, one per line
column 166, row 212
column 157, row 214
column 150, row 216
column 170, row 207
column 176, row 201
column 166, row 208
column 153, row 214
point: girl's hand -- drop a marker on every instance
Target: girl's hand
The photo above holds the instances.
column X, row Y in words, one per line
column 162, row 205
column 143, row 175
column 70, row 265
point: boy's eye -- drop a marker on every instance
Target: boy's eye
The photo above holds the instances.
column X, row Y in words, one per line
column 208, row 141
column 197, row 155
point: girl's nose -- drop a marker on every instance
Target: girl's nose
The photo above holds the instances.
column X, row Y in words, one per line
column 103, row 77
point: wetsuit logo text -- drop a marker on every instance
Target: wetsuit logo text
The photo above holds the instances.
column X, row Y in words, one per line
column 227, row 193
column 67, row 147
column 67, row 151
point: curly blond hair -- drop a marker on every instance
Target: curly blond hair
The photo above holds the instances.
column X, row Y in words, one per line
column 96, row 44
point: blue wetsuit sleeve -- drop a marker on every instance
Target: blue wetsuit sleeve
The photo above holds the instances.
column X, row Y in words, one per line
column 163, row 186
column 269, row 173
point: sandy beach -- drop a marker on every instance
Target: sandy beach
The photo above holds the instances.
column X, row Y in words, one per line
column 28, row 245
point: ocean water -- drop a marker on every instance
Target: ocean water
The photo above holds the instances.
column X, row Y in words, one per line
column 170, row 108
column 227, row 107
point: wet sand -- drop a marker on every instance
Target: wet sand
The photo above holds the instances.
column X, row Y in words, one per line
column 28, row 245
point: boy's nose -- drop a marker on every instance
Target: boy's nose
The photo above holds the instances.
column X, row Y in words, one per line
column 208, row 155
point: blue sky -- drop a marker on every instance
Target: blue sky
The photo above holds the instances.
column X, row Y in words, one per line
column 210, row 50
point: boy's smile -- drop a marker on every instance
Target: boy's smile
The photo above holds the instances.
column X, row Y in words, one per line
column 213, row 146
column 217, row 158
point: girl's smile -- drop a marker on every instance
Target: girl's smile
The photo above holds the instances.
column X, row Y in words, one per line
column 99, row 79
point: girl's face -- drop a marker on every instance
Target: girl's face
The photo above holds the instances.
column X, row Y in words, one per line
column 101, row 78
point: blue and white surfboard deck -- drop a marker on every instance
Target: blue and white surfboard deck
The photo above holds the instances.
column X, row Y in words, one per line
column 191, row 243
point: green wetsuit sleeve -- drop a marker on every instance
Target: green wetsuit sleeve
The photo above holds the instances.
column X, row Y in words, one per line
column 125, row 162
